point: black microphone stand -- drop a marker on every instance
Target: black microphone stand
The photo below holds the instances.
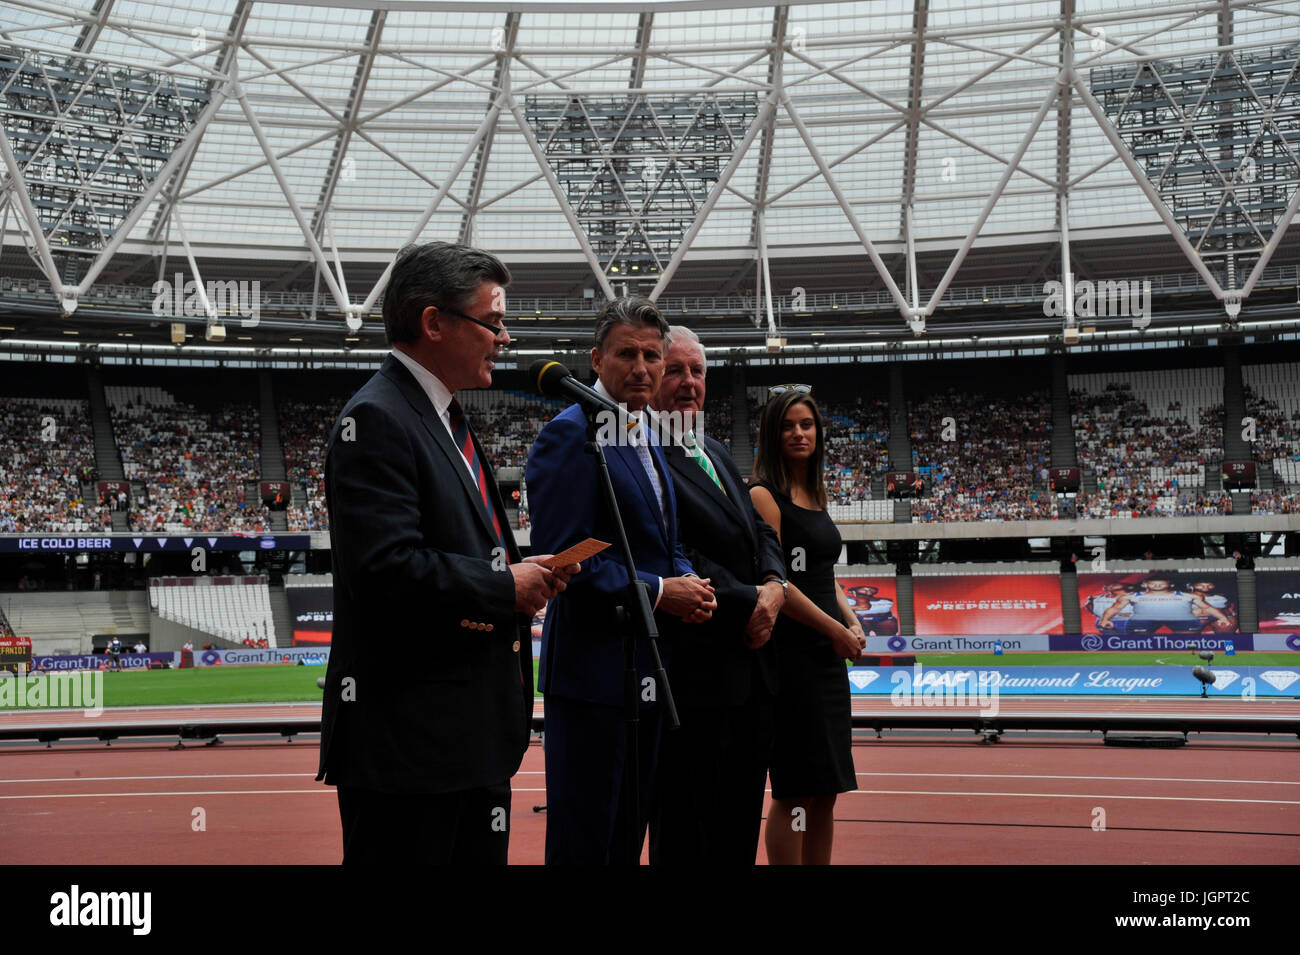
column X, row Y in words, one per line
column 637, row 620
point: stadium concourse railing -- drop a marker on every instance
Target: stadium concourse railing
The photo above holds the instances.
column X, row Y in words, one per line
column 32, row 291
column 870, row 530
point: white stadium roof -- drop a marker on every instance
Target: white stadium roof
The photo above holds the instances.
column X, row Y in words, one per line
column 855, row 126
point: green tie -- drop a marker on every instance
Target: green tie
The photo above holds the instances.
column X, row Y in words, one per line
column 695, row 451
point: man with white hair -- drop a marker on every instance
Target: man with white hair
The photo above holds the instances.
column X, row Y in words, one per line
column 713, row 770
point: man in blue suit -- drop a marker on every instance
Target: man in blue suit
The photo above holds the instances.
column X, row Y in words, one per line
column 581, row 671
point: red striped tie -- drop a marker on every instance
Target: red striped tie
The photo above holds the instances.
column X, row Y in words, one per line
column 460, row 431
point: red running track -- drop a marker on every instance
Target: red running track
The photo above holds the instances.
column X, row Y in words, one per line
column 919, row 800
column 862, row 705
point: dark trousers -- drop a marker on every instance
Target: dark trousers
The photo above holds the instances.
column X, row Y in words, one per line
column 586, row 749
column 470, row 827
column 712, row 779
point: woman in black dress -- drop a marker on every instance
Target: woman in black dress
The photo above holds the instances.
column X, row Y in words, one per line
column 812, row 756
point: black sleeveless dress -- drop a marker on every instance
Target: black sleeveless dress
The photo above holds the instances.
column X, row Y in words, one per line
column 812, row 753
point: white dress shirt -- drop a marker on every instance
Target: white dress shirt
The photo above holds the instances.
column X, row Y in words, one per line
column 639, row 439
column 439, row 395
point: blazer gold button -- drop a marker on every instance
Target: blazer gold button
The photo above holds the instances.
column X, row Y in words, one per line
column 515, row 647
column 490, row 626
column 464, row 623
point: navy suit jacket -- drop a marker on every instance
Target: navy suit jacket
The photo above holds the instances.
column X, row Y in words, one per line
column 727, row 541
column 439, row 693
column 582, row 642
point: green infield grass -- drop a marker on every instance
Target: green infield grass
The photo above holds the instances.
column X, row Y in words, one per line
column 294, row 684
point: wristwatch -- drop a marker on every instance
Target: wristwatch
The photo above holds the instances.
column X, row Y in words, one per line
column 785, row 584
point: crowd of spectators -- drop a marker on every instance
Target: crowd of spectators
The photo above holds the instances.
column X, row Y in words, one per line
column 1274, row 502
column 1277, row 438
column 857, row 447
column 1152, row 502
column 191, row 463
column 47, row 453
column 1277, row 435
column 507, row 429
column 304, row 432
column 982, row 458
column 1145, row 464
column 718, row 420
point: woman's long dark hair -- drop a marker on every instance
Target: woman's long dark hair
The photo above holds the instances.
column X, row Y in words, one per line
column 770, row 465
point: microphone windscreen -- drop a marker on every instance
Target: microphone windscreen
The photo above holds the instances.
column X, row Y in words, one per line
column 546, row 375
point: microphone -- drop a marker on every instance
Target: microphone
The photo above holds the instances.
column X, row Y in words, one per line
column 555, row 381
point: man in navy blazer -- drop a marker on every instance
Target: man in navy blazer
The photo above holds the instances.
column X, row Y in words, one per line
column 426, row 567
column 581, row 671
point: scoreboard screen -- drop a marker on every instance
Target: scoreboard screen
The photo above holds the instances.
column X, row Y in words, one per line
column 15, row 654
column 1064, row 480
column 109, row 490
column 1238, row 475
column 903, row 484
column 275, row 494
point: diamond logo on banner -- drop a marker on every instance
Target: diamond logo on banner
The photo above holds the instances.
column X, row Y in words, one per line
column 212, row 543
column 188, row 541
column 1279, row 679
column 862, row 678
column 1224, row 678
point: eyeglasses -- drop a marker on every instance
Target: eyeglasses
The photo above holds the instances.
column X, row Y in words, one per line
column 777, row 390
column 496, row 330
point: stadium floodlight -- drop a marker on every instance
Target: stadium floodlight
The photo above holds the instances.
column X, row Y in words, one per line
column 91, row 138
column 637, row 168
column 1224, row 172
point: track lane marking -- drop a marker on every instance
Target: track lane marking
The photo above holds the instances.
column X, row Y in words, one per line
column 922, row 792
column 855, row 792
column 1144, row 779
column 327, row 790
column 539, row 772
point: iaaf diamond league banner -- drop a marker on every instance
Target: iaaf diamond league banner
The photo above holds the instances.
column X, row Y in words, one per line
column 1278, row 592
column 988, row 604
column 875, row 603
column 1148, row 602
column 1230, row 681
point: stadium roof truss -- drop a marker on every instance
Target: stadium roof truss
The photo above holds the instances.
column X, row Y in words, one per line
column 638, row 135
